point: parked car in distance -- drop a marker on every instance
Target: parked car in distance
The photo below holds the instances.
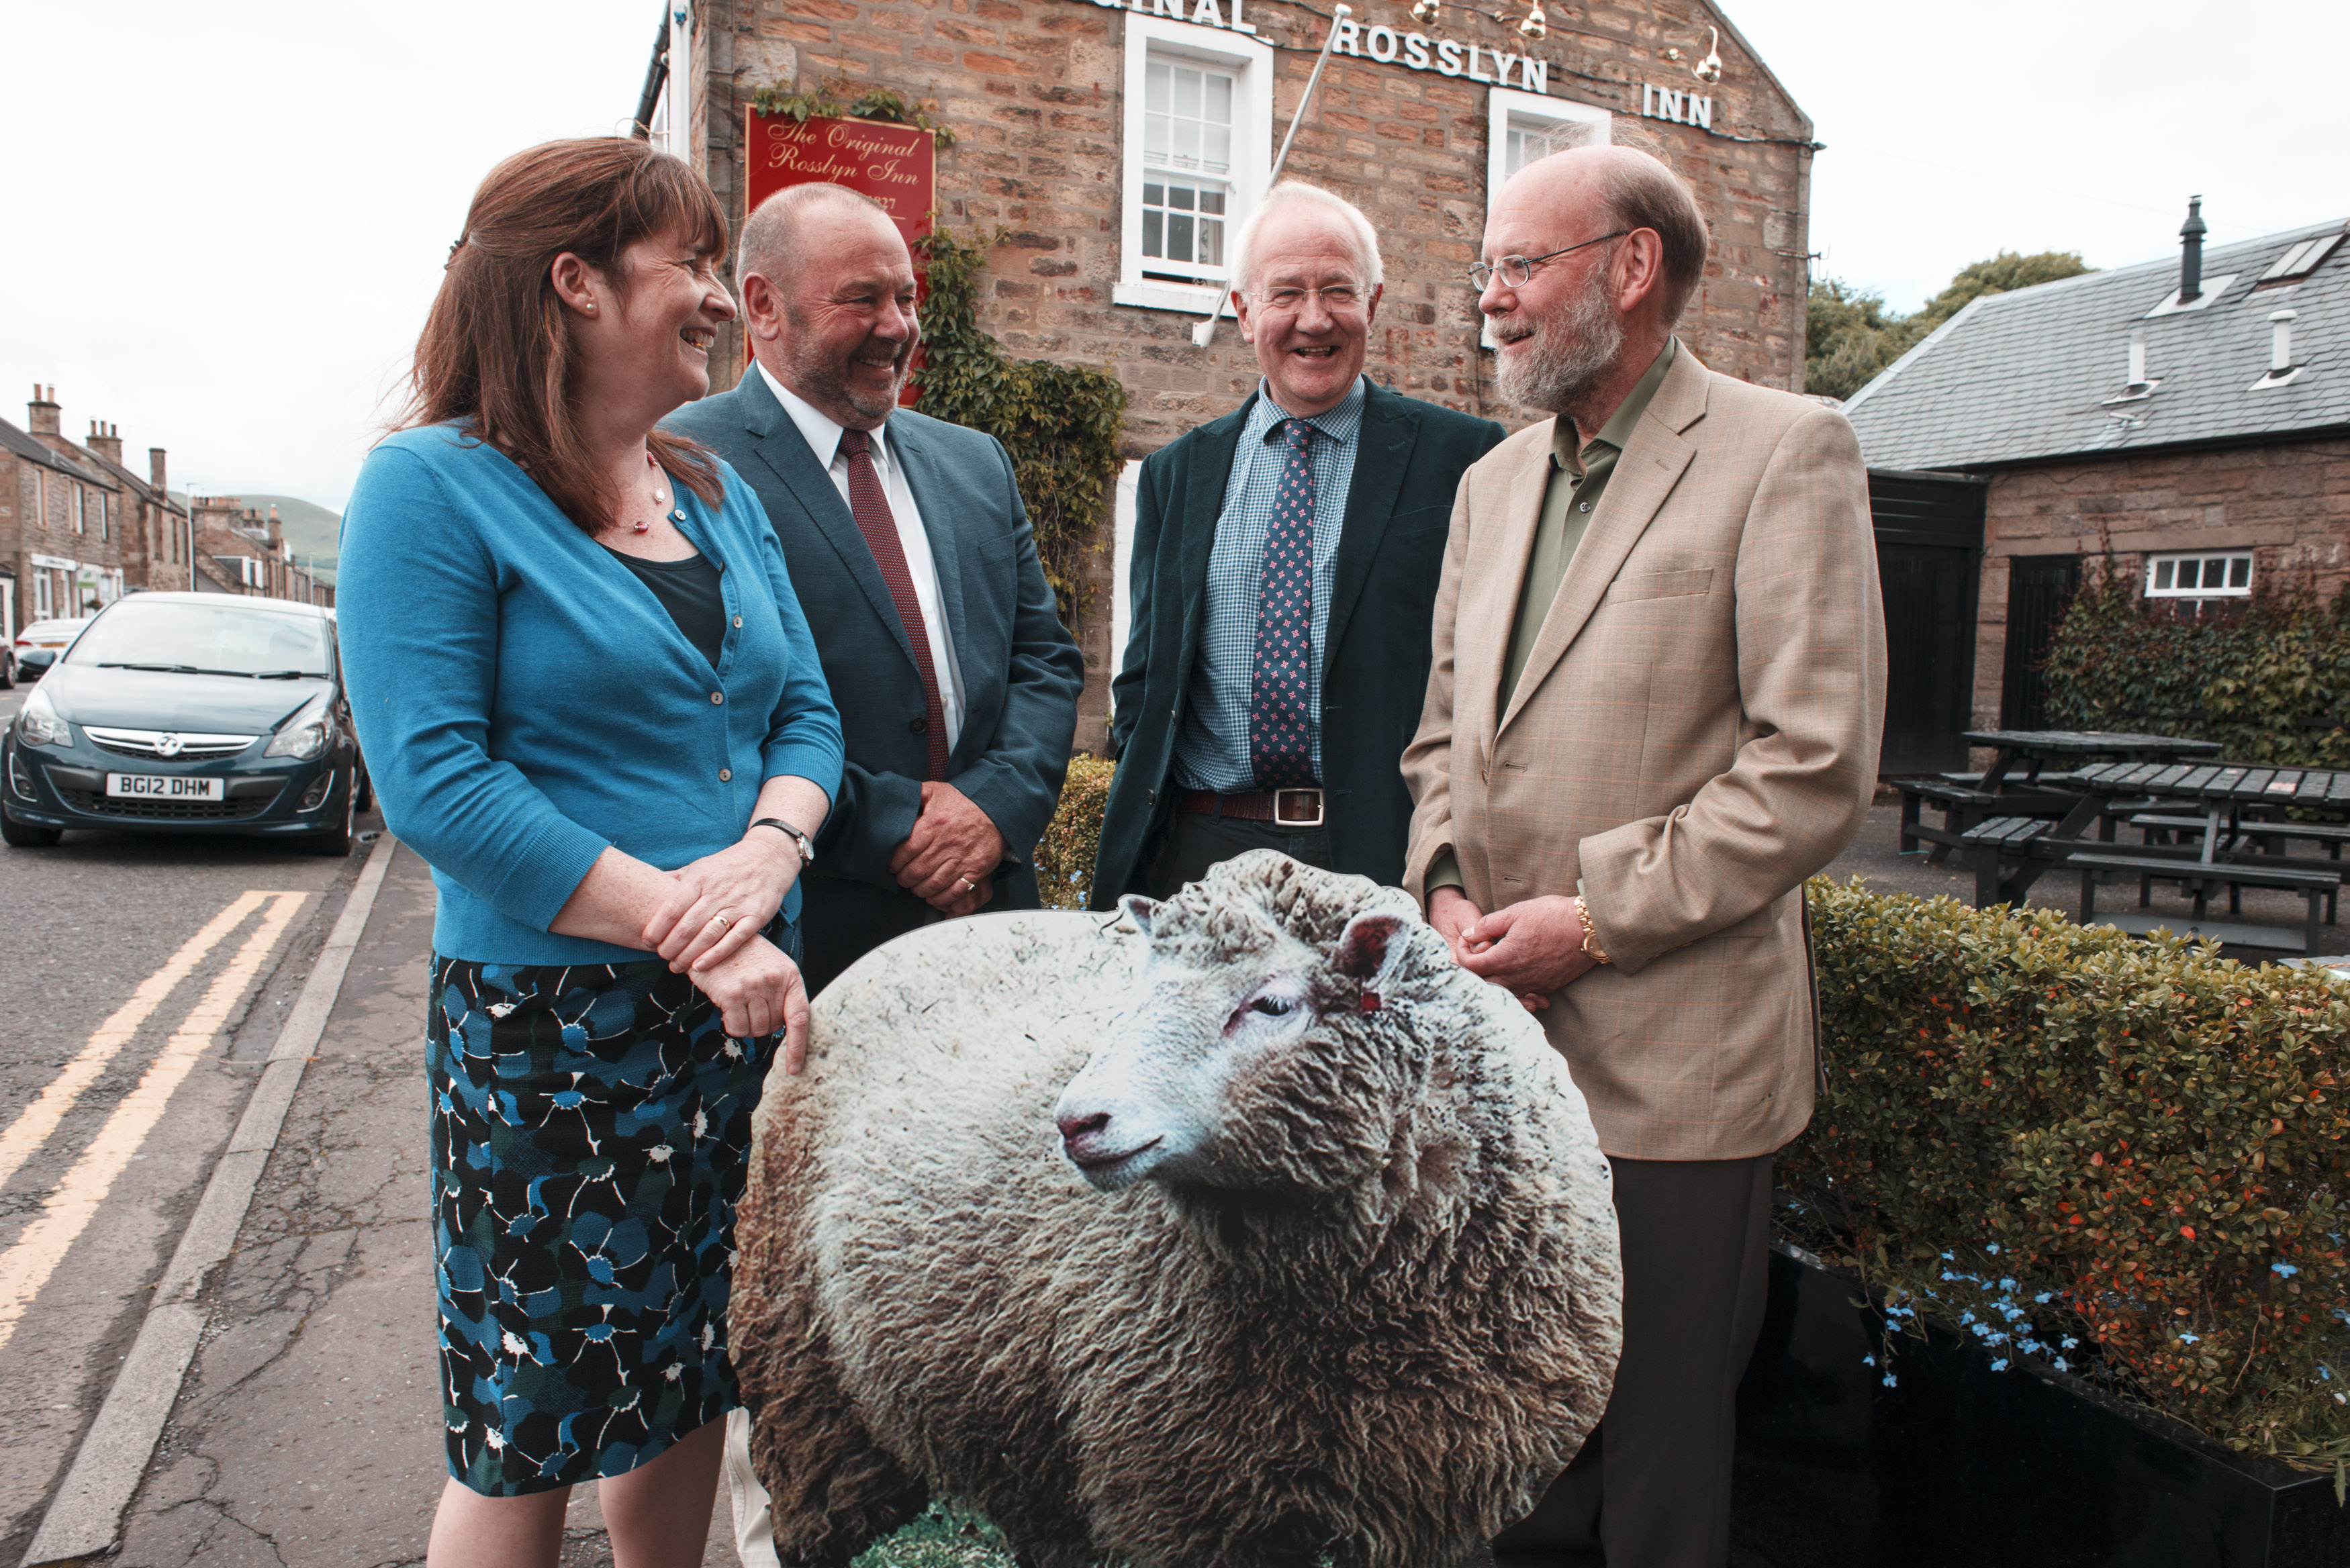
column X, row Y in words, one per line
column 39, row 644
column 176, row 713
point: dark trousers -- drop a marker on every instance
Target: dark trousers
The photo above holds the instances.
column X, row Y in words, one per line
column 1193, row 841
column 1651, row 1486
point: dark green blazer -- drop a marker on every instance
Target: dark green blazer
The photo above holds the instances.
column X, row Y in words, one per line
column 1408, row 463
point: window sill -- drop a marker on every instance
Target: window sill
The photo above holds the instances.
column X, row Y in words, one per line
column 1192, row 300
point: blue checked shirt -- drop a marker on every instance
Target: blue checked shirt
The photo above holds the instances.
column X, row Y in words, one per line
column 1212, row 751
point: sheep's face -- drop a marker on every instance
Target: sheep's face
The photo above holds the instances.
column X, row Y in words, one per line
column 1226, row 1069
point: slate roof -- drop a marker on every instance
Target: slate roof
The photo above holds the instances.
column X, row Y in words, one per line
column 2025, row 375
column 32, row 447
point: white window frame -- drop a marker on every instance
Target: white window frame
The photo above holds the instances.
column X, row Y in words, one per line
column 2172, row 558
column 1251, row 64
column 1531, row 111
column 75, row 508
column 43, row 596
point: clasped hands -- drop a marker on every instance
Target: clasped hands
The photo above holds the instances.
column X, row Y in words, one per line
column 708, row 928
column 949, row 858
column 1529, row 948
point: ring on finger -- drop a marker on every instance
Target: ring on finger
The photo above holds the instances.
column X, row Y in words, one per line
column 723, row 923
column 968, row 885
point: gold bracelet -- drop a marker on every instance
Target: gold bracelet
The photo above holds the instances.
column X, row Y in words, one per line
column 1591, row 949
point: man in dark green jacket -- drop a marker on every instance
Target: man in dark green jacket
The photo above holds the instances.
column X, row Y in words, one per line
column 1284, row 570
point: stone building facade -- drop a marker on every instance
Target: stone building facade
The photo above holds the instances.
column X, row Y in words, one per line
column 1117, row 147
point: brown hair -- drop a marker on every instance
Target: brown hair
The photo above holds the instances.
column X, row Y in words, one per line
column 497, row 351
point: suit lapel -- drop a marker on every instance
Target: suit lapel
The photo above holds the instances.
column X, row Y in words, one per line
column 786, row 452
column 1382, row 456
column 1210, row 470
column 1478, row 666
column 1645, row 475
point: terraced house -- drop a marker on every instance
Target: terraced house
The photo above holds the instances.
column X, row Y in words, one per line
column 61, row 517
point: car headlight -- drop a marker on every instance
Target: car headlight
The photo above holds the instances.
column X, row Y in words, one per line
column 307, row 734
column 39, row 724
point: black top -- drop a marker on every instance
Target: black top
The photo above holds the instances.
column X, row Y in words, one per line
column 689, row 590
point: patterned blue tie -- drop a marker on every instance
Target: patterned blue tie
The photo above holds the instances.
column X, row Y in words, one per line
column 1281, row 747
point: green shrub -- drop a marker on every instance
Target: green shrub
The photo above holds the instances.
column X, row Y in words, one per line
column 2270, row 682
column 2060, row 1137
column 1064, row 859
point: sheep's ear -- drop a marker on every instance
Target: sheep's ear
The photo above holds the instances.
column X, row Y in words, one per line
column 1138, row 909
column 1363, row 950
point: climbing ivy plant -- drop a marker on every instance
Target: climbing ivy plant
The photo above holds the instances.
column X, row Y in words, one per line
column 871, row 103
column 1060, row 424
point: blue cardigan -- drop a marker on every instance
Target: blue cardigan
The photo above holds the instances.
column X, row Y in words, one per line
column 522, row 699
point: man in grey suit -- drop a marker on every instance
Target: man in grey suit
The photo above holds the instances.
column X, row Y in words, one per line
column 911, row 552
column 912, row 556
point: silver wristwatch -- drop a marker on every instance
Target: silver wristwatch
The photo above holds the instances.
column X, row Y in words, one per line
column 801, row 841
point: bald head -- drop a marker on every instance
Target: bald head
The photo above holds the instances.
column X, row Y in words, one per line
column 1628, row 189
column 775, row 238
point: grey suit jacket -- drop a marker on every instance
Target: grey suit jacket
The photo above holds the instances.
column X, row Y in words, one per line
column 1022, row 672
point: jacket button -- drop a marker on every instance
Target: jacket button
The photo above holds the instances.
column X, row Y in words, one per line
column 725, row 775
column 738, row 620
column 1153, row 797
column 718, row 696
column 918, row 725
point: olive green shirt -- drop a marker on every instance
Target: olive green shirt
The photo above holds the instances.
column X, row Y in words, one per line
column 1578, row 480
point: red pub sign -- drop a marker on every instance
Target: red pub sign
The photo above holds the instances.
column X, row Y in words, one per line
column 894, row 164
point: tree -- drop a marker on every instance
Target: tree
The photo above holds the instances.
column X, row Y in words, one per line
column 1851, row 337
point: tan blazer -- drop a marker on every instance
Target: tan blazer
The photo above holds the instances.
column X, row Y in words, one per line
column 1695, row 733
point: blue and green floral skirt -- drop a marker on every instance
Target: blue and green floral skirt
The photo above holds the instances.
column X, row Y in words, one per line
column 591, row 1130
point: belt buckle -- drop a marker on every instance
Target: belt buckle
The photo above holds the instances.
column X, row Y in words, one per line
column 1282, row 820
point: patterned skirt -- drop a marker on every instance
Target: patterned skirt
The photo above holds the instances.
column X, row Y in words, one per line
column 591, row 1129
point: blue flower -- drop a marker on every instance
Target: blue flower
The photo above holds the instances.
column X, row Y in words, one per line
column 1992, row 1248
column 2189, row 1339
column 1868, row 1361
column 1966, row 1316
column 2044, row 1297
column 2060, row 1366
column 2070, row 1342
column 2287, row 1270
column 2000, row 1366
column 2007, row 1284
column 1949, row 1257
column 1890, row 1380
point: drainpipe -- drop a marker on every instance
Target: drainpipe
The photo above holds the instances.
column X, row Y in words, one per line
column 656, row 77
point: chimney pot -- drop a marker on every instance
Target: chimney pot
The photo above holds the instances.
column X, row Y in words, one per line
column 2281, row 340
column 43, row 410
column 2190, row 252
column 156, row 472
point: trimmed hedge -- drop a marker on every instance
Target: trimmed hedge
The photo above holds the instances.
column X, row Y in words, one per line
column 2125, row 1155
column 2268, row 681
column 1064, row 857
column 2129, row 1157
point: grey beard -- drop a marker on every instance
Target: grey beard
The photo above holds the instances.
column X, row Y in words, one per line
column 1574, row 351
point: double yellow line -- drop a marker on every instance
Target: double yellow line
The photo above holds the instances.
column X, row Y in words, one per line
column 67, row 1212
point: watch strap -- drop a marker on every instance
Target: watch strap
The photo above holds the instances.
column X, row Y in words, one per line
column 800, row 840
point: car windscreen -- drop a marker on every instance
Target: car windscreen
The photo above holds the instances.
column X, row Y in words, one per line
column 206, row 640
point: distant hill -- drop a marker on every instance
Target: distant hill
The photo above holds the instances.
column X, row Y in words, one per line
column 312, row 532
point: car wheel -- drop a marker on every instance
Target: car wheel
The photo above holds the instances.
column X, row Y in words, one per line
column 337, row 839
column 367, row 784
column 7, row 674
column 25, row 835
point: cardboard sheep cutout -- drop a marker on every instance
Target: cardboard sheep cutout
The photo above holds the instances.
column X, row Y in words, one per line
column 1245, row 1231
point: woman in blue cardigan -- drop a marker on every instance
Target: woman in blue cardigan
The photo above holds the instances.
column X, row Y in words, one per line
column 588, row 698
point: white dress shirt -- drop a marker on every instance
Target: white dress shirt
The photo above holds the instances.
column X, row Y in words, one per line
column 823, row 436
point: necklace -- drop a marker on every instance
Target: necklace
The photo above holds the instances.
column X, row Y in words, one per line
column 660, row 498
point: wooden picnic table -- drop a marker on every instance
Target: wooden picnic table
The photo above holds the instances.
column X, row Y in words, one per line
column 2036, row 748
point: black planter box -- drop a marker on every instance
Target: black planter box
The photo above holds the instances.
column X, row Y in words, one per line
column 1961, row 1466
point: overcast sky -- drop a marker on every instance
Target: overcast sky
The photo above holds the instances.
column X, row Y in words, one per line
column 226, row 220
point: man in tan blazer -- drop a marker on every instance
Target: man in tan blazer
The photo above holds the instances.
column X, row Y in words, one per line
column 1654, row 709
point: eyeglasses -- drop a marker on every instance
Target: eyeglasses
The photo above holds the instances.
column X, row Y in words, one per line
column 1336, row 298
column 1518, row 270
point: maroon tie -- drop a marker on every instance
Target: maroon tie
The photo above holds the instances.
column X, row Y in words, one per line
column 880, row 531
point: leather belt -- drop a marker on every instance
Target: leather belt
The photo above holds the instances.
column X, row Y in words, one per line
column 1285, row 807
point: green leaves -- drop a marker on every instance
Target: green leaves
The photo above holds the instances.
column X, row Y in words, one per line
column 2068, row 1132
column 1062, row 424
